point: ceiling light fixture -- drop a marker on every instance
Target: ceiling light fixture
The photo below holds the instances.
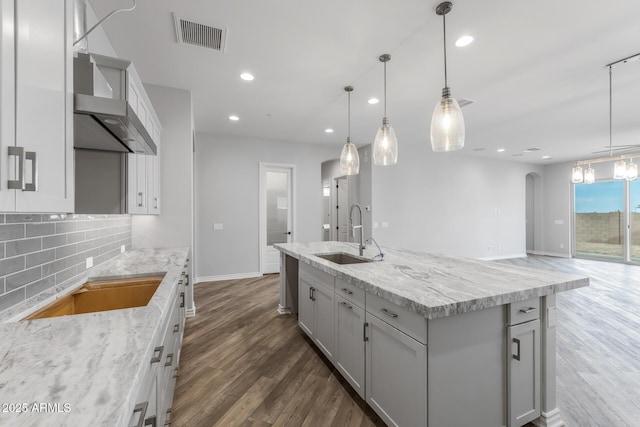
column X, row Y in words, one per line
column 501, row 150
column 328, row 130
column 373, row 101
column 246, row 76
column 385, row 145
column 546, row 157
column 621, row 169
column 349, row 159
column 447, row 123
column 234, row 118
column 464, row 41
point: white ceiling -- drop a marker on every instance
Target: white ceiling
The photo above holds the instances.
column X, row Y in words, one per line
column 536, row 69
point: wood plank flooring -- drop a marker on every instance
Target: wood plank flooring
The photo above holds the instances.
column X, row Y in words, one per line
column 242, row 364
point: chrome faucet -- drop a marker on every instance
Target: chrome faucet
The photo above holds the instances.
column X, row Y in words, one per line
column 362, row 247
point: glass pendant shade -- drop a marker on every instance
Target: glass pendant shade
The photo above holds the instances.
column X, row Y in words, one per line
column 349, row 159
column 576, row 175
column 447, row 124
column 632, row 171
column 589, row 175
column 620, row 170
column 385, row 146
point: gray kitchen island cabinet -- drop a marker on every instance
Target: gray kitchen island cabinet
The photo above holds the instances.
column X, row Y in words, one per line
column 442, row 341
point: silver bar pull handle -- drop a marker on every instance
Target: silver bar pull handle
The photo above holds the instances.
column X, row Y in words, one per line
column 17, row 184
column 528, row 310
column 142, row 409
column 182, row 302
column 33, row 186
column 176, row 327
column 389, row 313
column 364, row 331
column 157, row 354
column 167, row 420
column 313, row 294
column 175, row 373
column 517, row 355
column 347, row 291
column 140, row 194
column 169, row 361
column 151, row 421
column 344, row 304
column 155, row 203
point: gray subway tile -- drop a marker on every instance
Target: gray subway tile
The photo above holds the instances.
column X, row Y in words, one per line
column 20, row 218
column 2, row 250
column 76, row 237
column 54, row 267
column 41, row 285
column 65, row 227
column 42, row 229
column 21, row 247
column 65, row 251
column 11, row 265
column 18, row 280
column 65, row 275
column 1, row 218
column 11, row 298
column 54, row 241
column 86, row 246
column 41, row 257
column 94, row 234
column 79, row 258
column 11, row 232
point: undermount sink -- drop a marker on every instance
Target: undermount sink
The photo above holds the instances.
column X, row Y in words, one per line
column 102, row 295
column 343, row 258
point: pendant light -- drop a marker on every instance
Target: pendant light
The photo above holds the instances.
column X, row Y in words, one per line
column 385, row 146
column 349, row 159
column 632, row 171
column 589, row 175
column 576, row 175
column 447, row 123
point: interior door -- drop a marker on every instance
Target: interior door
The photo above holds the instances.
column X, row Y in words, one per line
column 277, row 223
column 342, row 208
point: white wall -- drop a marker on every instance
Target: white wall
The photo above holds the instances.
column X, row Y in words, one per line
column 451, row 203
column 227, row 192
column 98, row 40
column 173, row 227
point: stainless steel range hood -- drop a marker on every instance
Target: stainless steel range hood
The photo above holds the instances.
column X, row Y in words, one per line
column 103, row 117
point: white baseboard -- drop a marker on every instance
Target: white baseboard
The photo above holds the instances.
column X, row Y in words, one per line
column 554, row 254
column 228, row 277
column 497, row 257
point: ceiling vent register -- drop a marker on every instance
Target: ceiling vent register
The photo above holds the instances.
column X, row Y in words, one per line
column 189, row 32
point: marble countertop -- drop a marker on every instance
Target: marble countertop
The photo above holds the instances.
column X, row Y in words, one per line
column 86, row 366
column 435, row 285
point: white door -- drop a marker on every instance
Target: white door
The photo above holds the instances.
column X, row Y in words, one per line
column 276, row 213
column 342, row 209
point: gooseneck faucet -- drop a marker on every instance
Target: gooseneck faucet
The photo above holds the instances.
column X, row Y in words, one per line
column 362, row 247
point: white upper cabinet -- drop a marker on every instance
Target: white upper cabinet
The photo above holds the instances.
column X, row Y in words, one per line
column 36, row 106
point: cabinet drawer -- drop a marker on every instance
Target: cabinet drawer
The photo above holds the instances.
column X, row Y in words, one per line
column 315, row 277
column 523, row 311
column 350, row 292
column 409, row 322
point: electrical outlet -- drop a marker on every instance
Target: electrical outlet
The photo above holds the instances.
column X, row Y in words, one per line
column 122, row 249
column 89, row 262
column 385, row 224
column 375, row 225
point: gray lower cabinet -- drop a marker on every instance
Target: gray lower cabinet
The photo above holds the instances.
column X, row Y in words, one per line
column 349, row 343
column 396, row 374
column 523, row 373
column 316, row 308
column 305, row 307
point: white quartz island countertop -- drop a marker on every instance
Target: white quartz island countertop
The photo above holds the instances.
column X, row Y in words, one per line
column 83, row 370
column 435, row 285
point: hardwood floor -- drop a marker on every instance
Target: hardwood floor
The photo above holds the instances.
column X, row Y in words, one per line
column 242, row 364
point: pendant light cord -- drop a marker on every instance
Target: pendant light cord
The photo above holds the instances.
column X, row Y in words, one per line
column 349, row 116
column 385, row 88
column 444, row 32
column 610, row 115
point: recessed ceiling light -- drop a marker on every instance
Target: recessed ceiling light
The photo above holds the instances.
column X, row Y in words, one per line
column 501, row 150
column 234, row 118
column 373, row 101
column 464, row 41
column 546, row 157
column 328, row 130
column 246, row 76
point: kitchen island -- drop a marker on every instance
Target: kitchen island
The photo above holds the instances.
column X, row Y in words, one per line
column 94, row 368
column 429, row 339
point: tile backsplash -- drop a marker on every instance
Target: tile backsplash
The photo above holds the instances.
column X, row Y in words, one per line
column 38, row 251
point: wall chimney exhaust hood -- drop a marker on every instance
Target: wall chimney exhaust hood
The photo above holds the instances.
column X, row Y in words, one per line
column 103, row 116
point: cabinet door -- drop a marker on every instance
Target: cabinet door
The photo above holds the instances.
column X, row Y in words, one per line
column 7, row 105
column 44, row 104
column 524, row 373
column 136, row 183
column 305, row 307
column 324, row 318
column 396, row 379
column 349, row 351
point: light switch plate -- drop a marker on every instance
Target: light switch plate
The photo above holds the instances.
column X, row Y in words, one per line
column 218, row 227
column 89, row 262
column 122, row 249
column 551, row 317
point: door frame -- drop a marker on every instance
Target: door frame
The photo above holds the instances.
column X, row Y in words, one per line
column 264, row 167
